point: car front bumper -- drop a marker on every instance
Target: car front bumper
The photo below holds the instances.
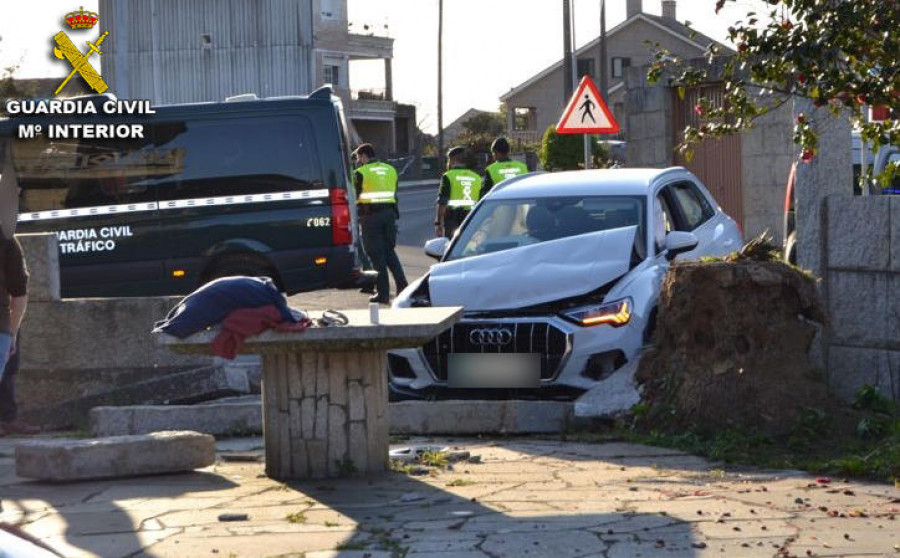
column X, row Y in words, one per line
column 573, row 358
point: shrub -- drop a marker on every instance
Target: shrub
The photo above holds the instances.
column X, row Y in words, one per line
column 561, row 151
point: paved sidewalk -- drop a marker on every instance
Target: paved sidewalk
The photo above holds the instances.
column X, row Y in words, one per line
column 528, row 498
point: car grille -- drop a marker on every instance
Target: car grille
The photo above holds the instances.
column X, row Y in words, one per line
column 542, row 338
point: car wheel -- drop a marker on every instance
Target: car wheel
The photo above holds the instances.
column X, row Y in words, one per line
column 790, row 249
column 249, row 265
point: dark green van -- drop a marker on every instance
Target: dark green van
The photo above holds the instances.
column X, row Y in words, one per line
column 250, row 187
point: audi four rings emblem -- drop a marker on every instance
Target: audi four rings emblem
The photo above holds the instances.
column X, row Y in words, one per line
column 491, row 336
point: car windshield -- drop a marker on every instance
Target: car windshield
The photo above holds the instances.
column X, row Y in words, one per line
column 499, row 225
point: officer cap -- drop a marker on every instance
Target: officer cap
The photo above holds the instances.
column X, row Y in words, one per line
column 500, row 145
column 457, row 151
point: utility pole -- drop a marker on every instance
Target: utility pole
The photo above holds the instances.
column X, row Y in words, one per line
column 567, row 51
column 440, row 92
column 604, row 70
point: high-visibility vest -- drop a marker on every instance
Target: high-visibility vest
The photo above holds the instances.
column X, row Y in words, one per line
column 379, row 183
column 502, row 170
column 465, row 188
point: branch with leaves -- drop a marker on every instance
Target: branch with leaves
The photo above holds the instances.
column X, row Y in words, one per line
column 840, row 54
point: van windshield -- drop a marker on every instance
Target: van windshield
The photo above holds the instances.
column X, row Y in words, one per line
column 499, row 225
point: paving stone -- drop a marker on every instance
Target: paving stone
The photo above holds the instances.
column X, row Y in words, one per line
column 117, row 456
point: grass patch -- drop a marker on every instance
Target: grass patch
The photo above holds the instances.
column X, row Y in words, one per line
column 352, row 546
column 439, row 459
column 296, row 517
column 461, row 482
column 864, row 442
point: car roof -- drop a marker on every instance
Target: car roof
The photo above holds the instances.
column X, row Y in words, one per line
column 612, row 182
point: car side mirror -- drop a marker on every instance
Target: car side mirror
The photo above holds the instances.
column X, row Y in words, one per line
column 679, row 242
column 437, row 247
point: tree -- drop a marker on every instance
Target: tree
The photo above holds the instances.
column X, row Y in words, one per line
column 840, row 54
column 487, row 123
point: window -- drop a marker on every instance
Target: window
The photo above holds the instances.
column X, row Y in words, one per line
column 238, row 156
column 695, row 208
column 332, row 74
column 618, row 66
column 664, row 222
column 525, row 119
column 585, row 67
column 178, row 160
column 505, row 224
column 331, row 9
column 70, row 174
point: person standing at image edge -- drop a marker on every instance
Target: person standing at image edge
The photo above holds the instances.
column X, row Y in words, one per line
column 13, row 302
column 460, row 191
column 503, row 167
column 376, row 194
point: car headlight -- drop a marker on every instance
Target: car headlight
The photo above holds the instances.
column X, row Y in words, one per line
column 616, row 313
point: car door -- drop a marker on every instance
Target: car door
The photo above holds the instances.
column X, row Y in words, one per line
column 694, row 212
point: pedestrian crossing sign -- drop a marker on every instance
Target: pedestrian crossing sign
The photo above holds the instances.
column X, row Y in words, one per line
column 587, row 112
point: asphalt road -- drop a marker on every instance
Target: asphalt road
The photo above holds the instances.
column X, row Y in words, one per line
column 416, row 227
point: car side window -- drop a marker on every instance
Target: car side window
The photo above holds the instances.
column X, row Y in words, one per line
column 664, row 222
column 694, row 206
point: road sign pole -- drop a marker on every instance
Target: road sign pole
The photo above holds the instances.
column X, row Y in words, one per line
column 587, row 151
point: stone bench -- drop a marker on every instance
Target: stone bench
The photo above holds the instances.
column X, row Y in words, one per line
column 325, row 394
column 116, row 456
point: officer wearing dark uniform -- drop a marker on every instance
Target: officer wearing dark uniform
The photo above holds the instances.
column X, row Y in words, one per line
column 503, row 167
column 376, row 196
column 460, row 191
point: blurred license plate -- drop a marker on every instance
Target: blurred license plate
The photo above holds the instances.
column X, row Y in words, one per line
column 492, row 370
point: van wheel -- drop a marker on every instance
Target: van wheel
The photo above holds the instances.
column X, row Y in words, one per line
column 790, row 249
column 249, row 265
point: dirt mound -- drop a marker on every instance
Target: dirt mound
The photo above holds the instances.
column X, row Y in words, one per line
column 733, row 340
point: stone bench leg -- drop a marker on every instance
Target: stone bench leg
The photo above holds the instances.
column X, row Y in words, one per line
column 325, row 414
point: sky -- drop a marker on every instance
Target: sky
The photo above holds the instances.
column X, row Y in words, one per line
column 490, row 46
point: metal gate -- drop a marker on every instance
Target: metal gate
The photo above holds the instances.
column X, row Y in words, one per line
column 716, row 162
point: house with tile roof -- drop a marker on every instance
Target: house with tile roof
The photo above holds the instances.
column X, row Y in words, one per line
column 538, row 102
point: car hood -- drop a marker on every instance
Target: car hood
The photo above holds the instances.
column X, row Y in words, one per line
column 534, row 274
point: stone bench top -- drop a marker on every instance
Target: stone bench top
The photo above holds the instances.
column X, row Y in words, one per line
column 400, row 328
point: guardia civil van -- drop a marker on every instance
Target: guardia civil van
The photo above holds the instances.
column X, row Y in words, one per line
column 244, row 187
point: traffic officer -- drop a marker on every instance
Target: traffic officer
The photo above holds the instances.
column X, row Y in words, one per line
column 376, row 195
column 460, row 191
column 503, row 167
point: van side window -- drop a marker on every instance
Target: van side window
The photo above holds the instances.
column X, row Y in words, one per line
column 239, row 156
column 71, row 173
column 694, row 206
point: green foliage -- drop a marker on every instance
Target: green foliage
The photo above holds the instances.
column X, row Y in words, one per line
column 842, row 56
column 816, row 442
column 488, row 123
column 296, row 518
column 561, row 151
column 346, row 468
column 438, row 459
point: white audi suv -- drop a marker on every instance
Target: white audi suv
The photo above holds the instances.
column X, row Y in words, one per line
column 559, row 275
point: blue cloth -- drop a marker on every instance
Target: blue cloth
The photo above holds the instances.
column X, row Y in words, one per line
column 214, row 301
column 5, row 345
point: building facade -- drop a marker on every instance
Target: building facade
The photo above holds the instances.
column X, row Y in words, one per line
column 538, row 102
column 171, row 51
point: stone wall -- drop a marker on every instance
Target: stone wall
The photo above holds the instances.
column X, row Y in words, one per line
column 767, row 153
column 81, row 347
column 648, row 109
column 860, row 249
column 767, row 150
